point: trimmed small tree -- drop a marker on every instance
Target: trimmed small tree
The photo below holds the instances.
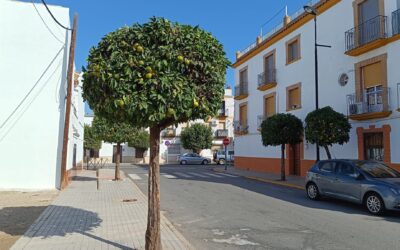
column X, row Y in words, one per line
column 90, row 140
column 155, row 75
column 114, row 133
column 141, row 141
column 279, row 130
column 197, row 137
column 325, row 127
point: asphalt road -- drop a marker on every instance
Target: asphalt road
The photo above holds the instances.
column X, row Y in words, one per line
column 220, row 211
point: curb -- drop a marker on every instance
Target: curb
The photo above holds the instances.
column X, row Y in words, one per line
column 279, row 183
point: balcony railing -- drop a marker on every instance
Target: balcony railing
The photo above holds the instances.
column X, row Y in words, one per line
column 369, row 102
column 266, row 77
column 260, row 120
column 367, row 32
column 240, row 127
column 168, row 132
column 396, row 22
column 221, row 133
column 242, row 90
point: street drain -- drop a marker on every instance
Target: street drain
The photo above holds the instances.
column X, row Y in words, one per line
column 129, row 200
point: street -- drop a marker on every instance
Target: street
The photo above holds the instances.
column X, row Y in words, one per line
column 222, row 211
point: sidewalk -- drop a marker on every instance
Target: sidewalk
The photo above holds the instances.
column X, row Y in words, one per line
column 291, row 181
column 82, row 217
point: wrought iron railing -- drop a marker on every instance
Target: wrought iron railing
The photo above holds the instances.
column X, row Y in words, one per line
column 396, row 22
column 369, row 31
column 242, row 89
column 240, row 127
column 260, row 120
column 369, row 101
column 268, row 76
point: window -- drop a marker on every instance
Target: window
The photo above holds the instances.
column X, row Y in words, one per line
column 373, row 144
column 243, row 77
column 293, row 50
column 327, row 167
column 345, row 169
column 269, row 105
column 293, row 97
column 174, row 149
column 269, row 68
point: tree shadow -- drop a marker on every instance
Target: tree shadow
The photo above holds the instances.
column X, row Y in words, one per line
column 56, row 221
column 83, row 178
column 286, row 194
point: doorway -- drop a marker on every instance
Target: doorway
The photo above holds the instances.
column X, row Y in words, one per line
column 294, row 159
column 74, row 157
column 115, row 154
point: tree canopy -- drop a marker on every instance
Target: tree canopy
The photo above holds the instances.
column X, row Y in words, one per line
column 141, row 140
column 113, row 132
column 325, row 126
column 197, row 137
column 91, row 141
column 281, row 129
column 157, row 73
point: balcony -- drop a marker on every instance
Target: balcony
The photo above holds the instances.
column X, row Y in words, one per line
column 396, row 22
column 221, row 133
column 242, row 91
column 367, row 36
column 241, row 128
column 369, row 104
column 267, row 80
column 168, row 132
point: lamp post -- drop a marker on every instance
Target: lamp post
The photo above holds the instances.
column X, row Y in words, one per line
column 312, row 11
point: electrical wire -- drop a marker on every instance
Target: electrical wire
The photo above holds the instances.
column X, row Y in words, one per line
column 51, row 14
column 45, row 24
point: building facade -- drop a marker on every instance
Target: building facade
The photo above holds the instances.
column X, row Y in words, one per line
column 358, row 76
column 34, row 52
column 222, row 127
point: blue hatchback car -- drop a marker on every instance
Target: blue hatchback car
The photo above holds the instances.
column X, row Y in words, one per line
column 371, row 183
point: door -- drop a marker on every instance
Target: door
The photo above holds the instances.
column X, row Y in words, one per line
column 294, row 159
column 370, row 26
column 197, row 159
column 326, row 177
column 345, row 184
column 115, row 154
column 74, row 156
column 269, row 69
column 373, row 145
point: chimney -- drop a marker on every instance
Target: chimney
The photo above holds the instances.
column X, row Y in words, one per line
column 258, row 40
column 286, row 18
column 238, row 55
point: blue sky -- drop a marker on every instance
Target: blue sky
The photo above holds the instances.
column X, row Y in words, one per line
column 234, row 23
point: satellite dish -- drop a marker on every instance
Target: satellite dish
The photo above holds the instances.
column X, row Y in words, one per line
column 343, row 79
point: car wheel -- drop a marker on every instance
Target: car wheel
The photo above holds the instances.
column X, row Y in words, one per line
column 205, row 162
column 312, row 191
column 183, row 162
column 221, row 162
column 374, row 204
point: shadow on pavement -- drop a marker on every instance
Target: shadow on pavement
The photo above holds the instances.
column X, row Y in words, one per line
column 286, row 194
column 57, row 221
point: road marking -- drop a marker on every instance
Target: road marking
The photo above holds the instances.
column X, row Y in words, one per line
column 182, row 175
column 169, row 176
column 213, row 175
column 229, row 175
column 146, row 175
column 198, row 175
column 135, row 177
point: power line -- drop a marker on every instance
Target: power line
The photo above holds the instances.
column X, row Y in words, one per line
column 51, row 14
column 45, row 24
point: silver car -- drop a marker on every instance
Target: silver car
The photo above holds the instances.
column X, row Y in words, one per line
column 371, row 183
column 192, row 158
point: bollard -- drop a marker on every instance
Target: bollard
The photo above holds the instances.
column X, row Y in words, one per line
column 98, row 180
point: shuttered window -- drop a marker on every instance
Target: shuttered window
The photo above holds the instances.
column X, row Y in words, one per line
column 372, row 75
column 269, row 106
column 243, row 115
column 294, row 98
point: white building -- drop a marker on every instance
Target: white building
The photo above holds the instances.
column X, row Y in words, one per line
column 34, row 57
column 222, row 126
column 359, row 76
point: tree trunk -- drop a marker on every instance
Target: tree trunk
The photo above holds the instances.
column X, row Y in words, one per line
column 327, row 152
column 283, row 176
column 153, row 233
column 117, row 161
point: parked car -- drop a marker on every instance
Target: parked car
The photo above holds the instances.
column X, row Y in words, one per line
column 219, row 156
column 193, row 158
column 371, row 183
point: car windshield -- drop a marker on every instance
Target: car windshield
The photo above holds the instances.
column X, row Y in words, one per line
column 378, row 170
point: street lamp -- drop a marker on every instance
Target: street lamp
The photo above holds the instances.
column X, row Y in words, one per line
column 312, row 11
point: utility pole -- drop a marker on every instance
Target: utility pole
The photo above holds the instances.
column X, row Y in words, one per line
column 70, row 75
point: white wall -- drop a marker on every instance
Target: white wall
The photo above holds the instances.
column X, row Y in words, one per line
column 31, row 140
column 332, row 25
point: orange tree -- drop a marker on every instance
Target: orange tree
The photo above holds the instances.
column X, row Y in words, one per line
column 114, row 132
column 155, row 75
column 279, row 130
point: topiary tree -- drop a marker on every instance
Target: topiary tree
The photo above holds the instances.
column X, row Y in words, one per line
column 155, row 75
column 141, row 141
column 325, row 127
column 90, row 141
column 197, row 137
column 281, row 129
column 112, row 132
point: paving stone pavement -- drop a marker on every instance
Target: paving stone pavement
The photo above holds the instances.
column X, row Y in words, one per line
column 82, row 217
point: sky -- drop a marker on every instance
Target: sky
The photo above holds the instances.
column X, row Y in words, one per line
column 236, row 24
